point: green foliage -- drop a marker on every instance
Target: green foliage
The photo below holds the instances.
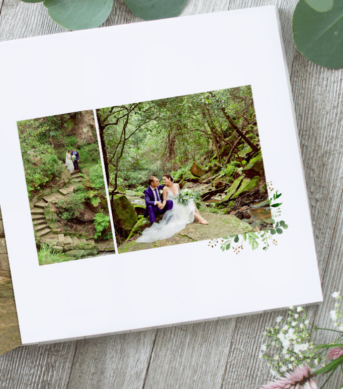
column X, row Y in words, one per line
column 96, row 176
column 39, row 157
column 319, row 35
column 102, row 223
column 79, row 15
column 159, row 9
column 169, row 135
column 48, row 255
column 69, row 207
column 72, row 141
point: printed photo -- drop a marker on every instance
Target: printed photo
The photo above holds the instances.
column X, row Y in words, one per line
column 66, row 187
column 184, row 169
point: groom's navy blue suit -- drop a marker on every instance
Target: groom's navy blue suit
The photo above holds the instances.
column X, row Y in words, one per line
column 151, row 209
column 76, row 162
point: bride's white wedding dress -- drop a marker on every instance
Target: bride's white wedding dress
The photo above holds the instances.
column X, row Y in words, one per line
column 173, row 221
column 69, row 163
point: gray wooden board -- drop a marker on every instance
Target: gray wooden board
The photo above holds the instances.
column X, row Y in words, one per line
column 216, row 354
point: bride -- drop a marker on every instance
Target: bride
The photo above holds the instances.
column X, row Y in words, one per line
column 69, row 163
column 174, row 220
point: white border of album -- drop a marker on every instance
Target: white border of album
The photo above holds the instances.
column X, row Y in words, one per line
column 98, row 68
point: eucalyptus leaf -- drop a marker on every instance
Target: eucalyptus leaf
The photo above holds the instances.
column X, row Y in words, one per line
column 319, row 35
column 320, row 5
column 156, row 9
column 79, row 14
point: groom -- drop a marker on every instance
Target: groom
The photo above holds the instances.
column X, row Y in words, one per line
column 76, row 161
column 154, row 199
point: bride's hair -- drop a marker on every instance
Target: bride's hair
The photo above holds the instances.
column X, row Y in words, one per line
column 169, row 176
column 68, row 151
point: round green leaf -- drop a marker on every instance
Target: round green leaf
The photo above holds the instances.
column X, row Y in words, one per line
column 279, row 231
column 273, row 232
column 319, row 35
column 236, row 240
column 320, row 5
column 79, row 14
column 156, row 9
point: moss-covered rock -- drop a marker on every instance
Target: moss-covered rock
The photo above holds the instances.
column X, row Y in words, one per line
column 139, row 227
column 124, row 215
column 188, row 177
column 255, row 166
column 81, row 253
column 232, row 190
column 264, row 187
column 197, row 170
column 246, row 186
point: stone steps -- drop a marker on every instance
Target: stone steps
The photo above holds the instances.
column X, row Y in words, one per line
column 66, row 191
column 41, row 204
column 41, row 227
column 53, row 198
column 37, row 222
column 37, row 217
column 37, row 211
column 44, row 232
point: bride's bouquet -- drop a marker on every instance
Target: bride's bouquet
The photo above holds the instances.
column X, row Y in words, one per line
column 73, row 157
column 186, row 195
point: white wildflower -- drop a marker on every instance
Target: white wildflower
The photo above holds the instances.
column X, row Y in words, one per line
column 333, row 315
column 278, row 319
column 299, row 309
column 335, row 295
column 263, row 347
column 296, row 316
column 307, row 322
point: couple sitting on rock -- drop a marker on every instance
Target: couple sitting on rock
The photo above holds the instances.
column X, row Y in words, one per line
column 161, row 199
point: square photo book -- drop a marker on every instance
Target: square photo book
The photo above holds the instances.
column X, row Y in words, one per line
column 151, row 176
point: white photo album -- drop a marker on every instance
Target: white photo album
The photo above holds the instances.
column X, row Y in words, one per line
column 151, row 175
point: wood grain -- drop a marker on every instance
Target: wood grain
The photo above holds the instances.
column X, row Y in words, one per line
column 219, row 354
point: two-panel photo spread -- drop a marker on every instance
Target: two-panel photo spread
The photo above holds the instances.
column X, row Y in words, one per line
column 145, row 175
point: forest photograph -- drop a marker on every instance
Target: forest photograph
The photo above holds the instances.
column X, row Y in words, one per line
column 184, row 169
column 66, row 187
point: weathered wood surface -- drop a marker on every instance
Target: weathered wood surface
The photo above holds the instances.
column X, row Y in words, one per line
column 219, row 354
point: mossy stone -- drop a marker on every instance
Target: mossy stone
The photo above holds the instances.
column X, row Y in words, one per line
column 232, row 190
column 124, row 215
column 255, row 166
column 246, row 186
column 140, row 226
column 197, row 170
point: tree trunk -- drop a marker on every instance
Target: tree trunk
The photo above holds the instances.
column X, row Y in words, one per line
column 104, row 151
column 246, row 139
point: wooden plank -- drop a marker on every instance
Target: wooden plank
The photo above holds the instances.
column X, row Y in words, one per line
column 33, row 367
column 191, row 356
column 118, row 361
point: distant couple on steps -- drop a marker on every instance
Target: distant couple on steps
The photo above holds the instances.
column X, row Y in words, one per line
column 160, row 200
column 72, row 161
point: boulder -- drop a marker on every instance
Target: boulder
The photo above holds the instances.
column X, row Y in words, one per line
column 197, row 170
column 232, row 190
column 124, row 215
column 246, row 186
column 255, row 166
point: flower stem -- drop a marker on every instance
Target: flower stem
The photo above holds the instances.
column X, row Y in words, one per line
column 327, row 329
column 327, row 380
